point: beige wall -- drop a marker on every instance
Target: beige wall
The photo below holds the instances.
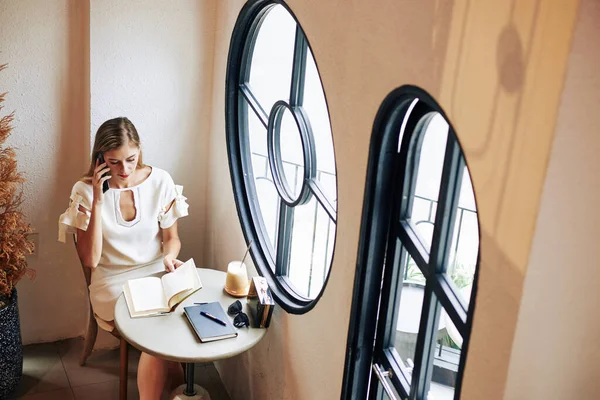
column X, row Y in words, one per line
column 72, row 65
column 485, row 62
column 556, row 352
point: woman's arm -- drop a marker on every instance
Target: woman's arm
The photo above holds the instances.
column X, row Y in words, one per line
column 171, row 247
column 89, row 242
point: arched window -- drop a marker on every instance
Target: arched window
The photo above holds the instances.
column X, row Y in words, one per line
column 416, row 276
column 280, row 150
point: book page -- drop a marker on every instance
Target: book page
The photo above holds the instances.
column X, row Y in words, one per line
column 147, row 295
column 178, row 284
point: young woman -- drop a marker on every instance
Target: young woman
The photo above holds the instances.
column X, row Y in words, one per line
column 127, row 232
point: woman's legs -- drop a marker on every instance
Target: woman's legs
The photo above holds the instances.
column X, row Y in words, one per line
column 153, row 375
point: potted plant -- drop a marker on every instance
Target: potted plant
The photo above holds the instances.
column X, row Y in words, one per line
column 14, row 247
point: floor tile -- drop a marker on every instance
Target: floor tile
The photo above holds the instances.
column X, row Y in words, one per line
column 62, row 394
column 106, row 390
column 51, row 371
column 42, row 370
column 207, row 376
column 101, row 366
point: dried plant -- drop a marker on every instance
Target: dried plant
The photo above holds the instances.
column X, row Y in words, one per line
column 14, row 244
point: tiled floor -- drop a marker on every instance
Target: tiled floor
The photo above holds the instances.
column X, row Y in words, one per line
column 51, row 371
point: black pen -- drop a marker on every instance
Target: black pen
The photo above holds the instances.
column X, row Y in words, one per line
column 210, row 316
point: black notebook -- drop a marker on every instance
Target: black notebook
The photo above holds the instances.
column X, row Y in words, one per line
column 206, row 327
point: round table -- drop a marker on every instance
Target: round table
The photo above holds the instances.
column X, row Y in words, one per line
column 171, row 337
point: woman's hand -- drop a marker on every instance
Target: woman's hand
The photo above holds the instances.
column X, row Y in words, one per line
column 98, row 179
column 171, row 264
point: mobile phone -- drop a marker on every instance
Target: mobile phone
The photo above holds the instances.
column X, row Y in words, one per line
column 105, row 186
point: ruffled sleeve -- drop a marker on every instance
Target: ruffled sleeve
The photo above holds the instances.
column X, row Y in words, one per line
column 73, row 218
column 178, row 208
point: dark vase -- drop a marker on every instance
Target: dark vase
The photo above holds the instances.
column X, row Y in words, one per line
column 11, row 348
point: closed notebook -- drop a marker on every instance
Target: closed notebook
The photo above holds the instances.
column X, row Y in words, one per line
column 206, row 328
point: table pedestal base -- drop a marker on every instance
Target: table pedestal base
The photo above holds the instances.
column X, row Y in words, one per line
column 189, row 391
column 200, row 394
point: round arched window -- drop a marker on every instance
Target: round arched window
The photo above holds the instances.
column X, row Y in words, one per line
column 280, row 152
column 418, row 257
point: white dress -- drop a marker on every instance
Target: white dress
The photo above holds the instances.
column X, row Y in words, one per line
column 130, row 249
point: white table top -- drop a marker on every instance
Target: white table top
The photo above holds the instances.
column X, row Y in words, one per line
column 172, row 338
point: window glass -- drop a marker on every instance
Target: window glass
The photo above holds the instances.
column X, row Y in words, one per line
column 409, row 315
column 272, row 58
column 316, row 108
column 312, row 248
column 267, row 204
column 446, row 359
column 429, row 175
column 465, row 241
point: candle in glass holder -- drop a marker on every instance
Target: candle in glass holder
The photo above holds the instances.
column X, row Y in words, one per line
column 236, row 282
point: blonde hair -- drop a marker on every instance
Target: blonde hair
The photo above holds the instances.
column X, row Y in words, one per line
column 111, row 135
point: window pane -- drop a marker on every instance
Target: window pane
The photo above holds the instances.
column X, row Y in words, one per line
column 465, row 242
column 272, row 59
column 429, row 176
column 409, row 314
column 312, row 248
column 268, row 199
column 316, row 109
column 292, row 156
column 445, row 361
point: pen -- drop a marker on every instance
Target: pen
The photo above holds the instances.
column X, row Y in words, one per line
column 210, row 316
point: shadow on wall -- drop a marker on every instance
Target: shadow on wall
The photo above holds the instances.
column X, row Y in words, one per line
column 73, row 148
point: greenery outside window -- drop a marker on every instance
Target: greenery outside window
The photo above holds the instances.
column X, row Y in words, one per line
column 280, row 150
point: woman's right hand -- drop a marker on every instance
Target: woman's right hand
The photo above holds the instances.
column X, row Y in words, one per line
column 98, row 179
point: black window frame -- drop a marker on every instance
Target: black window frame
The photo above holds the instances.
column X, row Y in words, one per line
column 391, row 174
column 274, row 267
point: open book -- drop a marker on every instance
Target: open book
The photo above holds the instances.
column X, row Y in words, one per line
column 153, row 295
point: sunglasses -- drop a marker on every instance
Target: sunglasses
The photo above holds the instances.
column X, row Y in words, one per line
column 241, row 319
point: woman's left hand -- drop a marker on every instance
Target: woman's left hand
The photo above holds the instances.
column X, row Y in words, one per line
column 171, row 264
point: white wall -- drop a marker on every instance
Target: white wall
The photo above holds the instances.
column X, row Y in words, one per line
column 556, row 352
column 45, row 45
column 151, row 62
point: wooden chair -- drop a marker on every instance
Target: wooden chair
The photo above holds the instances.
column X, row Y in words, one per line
column 92, row 332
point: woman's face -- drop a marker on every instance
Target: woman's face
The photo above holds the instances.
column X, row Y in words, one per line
column 122, row 161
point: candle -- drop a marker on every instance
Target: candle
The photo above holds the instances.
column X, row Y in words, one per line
column 236, row 282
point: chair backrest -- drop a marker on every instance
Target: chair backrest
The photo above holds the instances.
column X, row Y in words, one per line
column 87, row 273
